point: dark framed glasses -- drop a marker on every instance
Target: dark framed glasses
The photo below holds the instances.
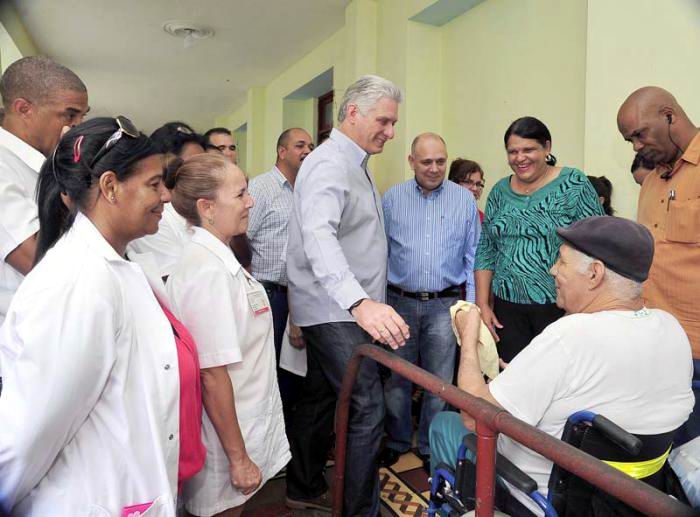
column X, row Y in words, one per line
column 470, row 183
column 221, row 148
column 126, row 127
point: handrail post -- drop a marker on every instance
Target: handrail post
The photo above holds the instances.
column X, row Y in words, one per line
column 486, row 439
column 342, row 418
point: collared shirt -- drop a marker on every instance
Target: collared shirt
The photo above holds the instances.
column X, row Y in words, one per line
column 86, row 337
column 228, row 314
column 168, row 243
column 267, row 226
column 337, row 250
column 670, row 209
column 432, row 237
column 19, row 216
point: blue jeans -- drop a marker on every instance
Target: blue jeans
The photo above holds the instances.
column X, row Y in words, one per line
column 691, row 429
column 432, row 346
column 330, row 346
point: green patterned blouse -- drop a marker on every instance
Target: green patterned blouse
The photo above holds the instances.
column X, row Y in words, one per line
column 518, row 239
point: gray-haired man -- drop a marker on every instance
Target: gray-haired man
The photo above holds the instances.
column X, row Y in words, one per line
column 336, row 264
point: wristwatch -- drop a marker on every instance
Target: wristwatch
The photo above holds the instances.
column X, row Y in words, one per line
column 354, row 305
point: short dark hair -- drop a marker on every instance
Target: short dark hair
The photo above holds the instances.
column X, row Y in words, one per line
column 214, row 131
column 62, row 173
column 173, row 136
column 461, row 169
column 283, row 139
column 36, row 78
column 533, row 129
column 604, row 188
column 640, row 161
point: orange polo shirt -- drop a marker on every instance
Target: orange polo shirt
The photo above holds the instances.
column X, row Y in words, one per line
column 671, row 210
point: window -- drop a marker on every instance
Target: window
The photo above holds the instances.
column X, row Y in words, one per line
column 325, row 117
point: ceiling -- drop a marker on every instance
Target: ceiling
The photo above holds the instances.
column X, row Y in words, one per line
column 132, row 67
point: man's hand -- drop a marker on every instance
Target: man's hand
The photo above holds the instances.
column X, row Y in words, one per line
column 296, row 338
column 245, row 475
column 468, row 323
column 491, row 321
column 382, row 323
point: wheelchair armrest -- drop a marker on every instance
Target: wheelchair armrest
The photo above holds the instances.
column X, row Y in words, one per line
column 506, row 469
column 609, row 429
column 616, row 434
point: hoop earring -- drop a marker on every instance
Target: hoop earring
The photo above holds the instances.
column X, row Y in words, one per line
column 210, row 221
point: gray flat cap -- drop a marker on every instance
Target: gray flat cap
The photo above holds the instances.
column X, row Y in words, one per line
column 626, row 247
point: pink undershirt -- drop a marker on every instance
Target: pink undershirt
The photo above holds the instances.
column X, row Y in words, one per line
column 192, row 450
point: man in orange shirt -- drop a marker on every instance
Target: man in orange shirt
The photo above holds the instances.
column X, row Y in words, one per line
column 669, row 206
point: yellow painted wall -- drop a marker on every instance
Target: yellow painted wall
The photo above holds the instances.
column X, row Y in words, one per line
column 634, row 43
column 505, row 59
column 15, row 41
column 569, row 63
column 9, row 53
column 240, row 135
column 300, row 113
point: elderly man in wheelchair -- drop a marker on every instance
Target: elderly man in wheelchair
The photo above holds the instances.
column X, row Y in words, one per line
column 610, row 356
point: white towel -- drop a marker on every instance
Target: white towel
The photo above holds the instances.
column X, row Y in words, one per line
column 488, row 354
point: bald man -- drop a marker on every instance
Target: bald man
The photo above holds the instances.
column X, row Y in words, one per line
column 669, row 205
column 39, row 98
column 432, row 226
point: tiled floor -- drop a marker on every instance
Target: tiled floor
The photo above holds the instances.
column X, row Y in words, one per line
column 404, row 492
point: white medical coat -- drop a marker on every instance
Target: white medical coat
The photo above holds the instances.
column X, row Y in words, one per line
column 90, row 405
column 211, row 294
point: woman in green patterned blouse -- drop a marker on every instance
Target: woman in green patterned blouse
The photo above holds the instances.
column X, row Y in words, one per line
column 518, row 240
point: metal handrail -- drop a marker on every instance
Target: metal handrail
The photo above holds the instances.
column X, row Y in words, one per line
column 491, row 420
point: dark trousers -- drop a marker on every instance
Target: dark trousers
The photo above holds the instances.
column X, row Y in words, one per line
column 289, row 384
column 521, row 323
column 329, row 348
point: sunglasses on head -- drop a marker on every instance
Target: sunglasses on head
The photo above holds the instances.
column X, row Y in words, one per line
column 126, row 127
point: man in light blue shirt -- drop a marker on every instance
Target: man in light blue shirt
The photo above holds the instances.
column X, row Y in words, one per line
column 433, row 228
column 336, row 269
column 273, row 192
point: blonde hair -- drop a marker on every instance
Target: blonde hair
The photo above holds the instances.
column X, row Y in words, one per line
column 199, row 177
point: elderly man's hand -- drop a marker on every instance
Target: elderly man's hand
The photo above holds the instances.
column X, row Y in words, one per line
column 382, row 323
column 465, row 321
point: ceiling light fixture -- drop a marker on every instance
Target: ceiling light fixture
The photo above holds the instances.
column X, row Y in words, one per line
column 187, row 31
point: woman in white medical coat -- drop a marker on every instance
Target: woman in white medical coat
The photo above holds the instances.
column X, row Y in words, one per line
column 91, row 418
column 229, row 316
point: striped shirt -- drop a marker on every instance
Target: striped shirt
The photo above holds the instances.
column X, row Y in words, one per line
column 432, row 238
column 519, row 241
column 267, row 227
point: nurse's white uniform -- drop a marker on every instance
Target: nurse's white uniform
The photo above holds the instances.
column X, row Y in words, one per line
column 227, row 312
column 89, row 413
column 168, row 243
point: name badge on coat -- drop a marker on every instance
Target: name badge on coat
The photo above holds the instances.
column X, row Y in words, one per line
column 258, row 302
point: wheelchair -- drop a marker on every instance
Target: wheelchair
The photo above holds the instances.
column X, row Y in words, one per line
column 644, row 457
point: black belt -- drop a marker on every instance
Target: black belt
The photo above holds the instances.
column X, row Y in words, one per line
column 271, row 286
column 425, row 296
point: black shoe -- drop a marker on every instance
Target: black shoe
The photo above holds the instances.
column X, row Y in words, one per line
column 425, row 460
column 388, row 457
